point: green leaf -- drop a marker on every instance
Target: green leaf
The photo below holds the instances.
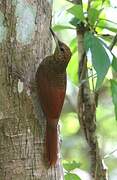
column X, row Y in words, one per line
column 114, row 63
column 106, row 24
column 75, row 21
column 114, row 95
column 61, row 27
column 93, row 15
column 77, row 11
column 71, row 176
column 107, row 2
column 73, row 45
column 99, row 3
column 72, row 69
column 71, row 165
column 100, row 58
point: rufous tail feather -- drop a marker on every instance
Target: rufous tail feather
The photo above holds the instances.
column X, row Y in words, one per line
column 51, row 144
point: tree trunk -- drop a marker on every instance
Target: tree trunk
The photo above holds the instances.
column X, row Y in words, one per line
column 22, row 123
column 87, row 104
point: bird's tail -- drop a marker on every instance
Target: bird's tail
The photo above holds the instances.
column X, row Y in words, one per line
column 51, row 144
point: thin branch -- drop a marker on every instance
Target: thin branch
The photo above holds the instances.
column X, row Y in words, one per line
column 87, row 79
column 107, row 155
column 114, row 41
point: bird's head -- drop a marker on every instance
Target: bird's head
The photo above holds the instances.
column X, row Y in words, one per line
column 62, row 51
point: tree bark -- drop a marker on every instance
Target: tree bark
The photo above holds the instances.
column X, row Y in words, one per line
column 87, row 115
column 87, row 103
column 22, row 123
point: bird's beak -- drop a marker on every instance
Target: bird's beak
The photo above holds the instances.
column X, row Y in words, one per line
column 57, row 41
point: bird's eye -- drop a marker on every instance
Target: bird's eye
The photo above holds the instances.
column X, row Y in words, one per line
column 62, row 49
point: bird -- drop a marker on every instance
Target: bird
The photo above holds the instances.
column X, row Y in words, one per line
column 51, row 82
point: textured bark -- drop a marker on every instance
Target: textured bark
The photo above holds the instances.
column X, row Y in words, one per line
column 22, row 123
column 87, row 115
column 87, row 111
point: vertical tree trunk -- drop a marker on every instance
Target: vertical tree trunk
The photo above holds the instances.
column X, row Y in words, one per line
column 87, row 111
column 87, row 114
column 22, row 123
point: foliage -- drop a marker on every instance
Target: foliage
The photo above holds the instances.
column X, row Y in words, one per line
column 101, row 30
column 100, row 61
column 69, row 167
column 71, row 176
column 114, row 63
column 94, row 18
column 93, row 15
column 77, row 11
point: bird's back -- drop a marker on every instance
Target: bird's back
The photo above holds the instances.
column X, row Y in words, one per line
column 51, row 88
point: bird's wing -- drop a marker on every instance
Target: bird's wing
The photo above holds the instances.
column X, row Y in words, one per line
column 51, row 96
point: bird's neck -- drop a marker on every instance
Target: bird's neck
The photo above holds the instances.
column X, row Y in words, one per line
column 59, row 65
